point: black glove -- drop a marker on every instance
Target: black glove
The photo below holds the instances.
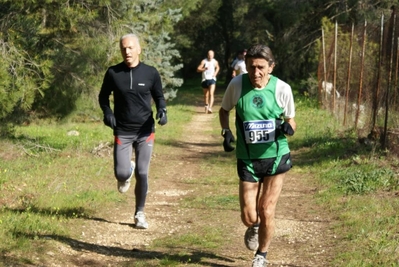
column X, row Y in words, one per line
column 109, row 120
column 228, row 138
column 284, row 127
column 161, row 115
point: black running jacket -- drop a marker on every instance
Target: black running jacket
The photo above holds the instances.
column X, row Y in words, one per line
column 133, row 89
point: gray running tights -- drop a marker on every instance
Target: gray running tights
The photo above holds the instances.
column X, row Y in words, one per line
column 123, row 149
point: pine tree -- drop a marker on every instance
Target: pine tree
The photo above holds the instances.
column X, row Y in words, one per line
column 54, row 53
column 153, row 26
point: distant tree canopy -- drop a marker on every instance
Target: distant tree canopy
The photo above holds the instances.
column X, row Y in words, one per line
column 290, row 27
column 54, row 53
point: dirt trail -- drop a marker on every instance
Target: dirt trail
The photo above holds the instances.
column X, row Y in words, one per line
column 302, row 233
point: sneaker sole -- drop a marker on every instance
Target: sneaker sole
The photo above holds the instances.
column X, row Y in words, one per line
column 121, row 187
column 141, row 226
column 247, row 244
column 122, row 184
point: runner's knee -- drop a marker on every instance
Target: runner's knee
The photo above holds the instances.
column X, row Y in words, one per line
column 249, row 218
column 266, row 212
column 122, row 174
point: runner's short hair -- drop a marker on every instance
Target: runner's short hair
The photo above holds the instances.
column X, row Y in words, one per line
column 129, row 35
column 260, row 51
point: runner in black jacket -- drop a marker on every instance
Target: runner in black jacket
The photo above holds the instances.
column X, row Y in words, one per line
column 133, row 84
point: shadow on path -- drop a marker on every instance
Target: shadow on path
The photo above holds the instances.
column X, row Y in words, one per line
column 190, row 256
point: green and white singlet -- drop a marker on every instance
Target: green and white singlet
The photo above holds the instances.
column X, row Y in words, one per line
column 256, row 114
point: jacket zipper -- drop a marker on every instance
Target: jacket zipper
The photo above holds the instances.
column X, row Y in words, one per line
column 131, row 79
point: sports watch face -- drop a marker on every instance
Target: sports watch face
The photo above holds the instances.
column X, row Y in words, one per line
column 224, row 131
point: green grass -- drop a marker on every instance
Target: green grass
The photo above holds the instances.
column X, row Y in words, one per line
column 49, row 180
column 357, row 186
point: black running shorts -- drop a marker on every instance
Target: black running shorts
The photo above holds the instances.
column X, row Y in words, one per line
column 205, row 84
column 255, row 170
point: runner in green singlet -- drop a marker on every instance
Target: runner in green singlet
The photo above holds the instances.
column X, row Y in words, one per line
column 265, row 114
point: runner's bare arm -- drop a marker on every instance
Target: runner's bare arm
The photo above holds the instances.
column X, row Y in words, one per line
column 224, row 118
column 201, row 67
column 217, row 68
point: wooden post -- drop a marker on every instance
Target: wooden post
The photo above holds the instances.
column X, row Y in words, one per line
column 359, row 96
column 324, row 65
column 384, row 136
column 395, row 85
column 349, row 74
column 324, row 69
column 380, row 63
column 335, row 67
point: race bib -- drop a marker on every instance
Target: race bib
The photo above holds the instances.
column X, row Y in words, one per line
column 257, row 132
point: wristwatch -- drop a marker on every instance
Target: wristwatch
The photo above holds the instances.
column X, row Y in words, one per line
column 224, row 130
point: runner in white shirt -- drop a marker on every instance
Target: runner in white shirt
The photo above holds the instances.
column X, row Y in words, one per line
column 239, row 66
column 209, row 67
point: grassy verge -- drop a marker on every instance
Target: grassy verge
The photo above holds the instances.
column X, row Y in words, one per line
column 49, row 179
column 358, row 185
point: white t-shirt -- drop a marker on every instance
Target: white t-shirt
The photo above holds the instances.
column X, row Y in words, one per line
column 234, row 63
column 209, row 74
column 240, row 67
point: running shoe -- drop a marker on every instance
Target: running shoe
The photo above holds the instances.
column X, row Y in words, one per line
column 206, row 109
column 251, row 238
column 139, row 220
column 124, row 186
column 259, row 261
column 209, row 110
